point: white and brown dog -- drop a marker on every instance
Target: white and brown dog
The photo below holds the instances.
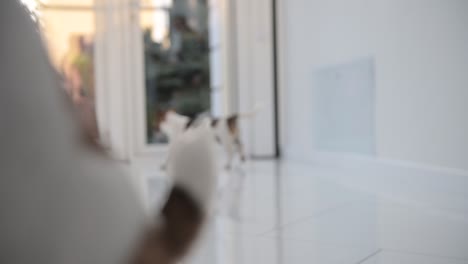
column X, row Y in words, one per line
column 225, row 130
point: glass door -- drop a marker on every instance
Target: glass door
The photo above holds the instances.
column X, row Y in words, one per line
column 176, row 58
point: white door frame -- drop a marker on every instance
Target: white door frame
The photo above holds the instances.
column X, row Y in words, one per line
column 255, row 74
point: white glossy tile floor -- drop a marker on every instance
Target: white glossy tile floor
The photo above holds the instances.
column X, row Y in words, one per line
column 280, row 212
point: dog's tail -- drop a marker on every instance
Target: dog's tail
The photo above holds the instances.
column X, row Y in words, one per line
column 257, row 108
column 193, row 168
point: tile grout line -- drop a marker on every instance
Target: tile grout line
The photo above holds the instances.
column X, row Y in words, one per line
column 407, row 252
column 307, row 217
column 370, row 256
column 304, row 218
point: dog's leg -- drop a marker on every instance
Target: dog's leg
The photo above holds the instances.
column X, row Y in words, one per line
column 167, row 129
column 240, row 149
column 230, row 151
column 167, row 159
column 228, row 165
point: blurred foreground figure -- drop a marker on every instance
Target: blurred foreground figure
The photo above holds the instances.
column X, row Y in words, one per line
column 61, row 199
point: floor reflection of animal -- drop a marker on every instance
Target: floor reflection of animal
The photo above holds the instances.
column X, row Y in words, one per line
column 63, row 199
column 226, row 132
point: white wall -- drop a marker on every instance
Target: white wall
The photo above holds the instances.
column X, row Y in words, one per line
column 420, row 49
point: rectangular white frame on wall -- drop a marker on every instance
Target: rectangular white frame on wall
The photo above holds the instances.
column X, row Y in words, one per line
column 343, row 117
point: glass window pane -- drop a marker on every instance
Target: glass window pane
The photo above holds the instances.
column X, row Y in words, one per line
column 69, row 38
column 176, row 57
column 61, row 30
column 157, row 3
column 53, row 3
